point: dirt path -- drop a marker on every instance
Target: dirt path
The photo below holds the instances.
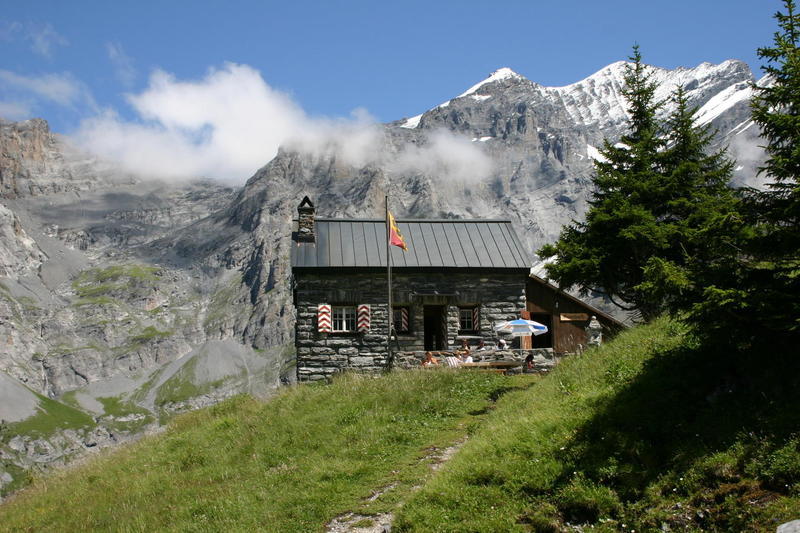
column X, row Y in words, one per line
column 382, row 523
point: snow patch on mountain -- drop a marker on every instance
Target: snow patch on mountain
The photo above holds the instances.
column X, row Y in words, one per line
column 595, row 154
column 504, row 73
column 412, row 122
column 723, row 101
column 742, row 127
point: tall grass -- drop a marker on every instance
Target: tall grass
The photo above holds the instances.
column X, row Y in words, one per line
column 290, row 464
column 649, row 432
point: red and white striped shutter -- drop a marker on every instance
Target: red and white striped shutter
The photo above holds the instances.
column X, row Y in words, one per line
column 476, row 318
column 324, row 318
column 363, row 318
column 404, row 319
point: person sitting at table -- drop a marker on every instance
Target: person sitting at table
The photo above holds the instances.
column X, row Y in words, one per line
column 464, row 347
column 482, row 346
column 453, row 361
column 464, row 358
column 430, row 360
column 502, row 344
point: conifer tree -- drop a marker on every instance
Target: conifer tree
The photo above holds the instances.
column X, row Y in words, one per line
column 607, row 253
column 776, row 109
column 756, row 297
column 663, row 220
column 774, row 274
column 697, row 209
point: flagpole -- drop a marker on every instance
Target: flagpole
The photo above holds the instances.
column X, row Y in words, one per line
column 389, row 279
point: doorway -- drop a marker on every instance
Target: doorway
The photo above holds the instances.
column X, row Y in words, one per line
column 546, row 340
column 435, row 326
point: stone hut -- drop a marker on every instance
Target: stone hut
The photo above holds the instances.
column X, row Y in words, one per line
column 456, row 281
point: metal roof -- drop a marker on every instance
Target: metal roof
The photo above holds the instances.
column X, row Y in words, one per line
column 431, row 243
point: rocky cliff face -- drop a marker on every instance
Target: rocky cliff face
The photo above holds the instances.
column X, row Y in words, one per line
column 34, row 161
column 125, row 298
column 93, row 329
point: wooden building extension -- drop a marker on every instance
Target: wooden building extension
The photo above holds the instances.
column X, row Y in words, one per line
column 565, row 316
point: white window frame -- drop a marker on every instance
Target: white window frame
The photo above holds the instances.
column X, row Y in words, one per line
column 343, row 318
column 466, row 313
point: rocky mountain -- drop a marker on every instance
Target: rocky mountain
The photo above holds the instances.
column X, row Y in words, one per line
column 97, row 339
column 545, row 138
column 124, row 299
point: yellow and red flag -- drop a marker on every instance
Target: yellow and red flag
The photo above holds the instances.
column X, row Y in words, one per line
column 395, row 239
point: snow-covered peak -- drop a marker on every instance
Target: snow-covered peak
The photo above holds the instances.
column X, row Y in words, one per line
column 664, row 77
column 498, row 75
column 597, row 100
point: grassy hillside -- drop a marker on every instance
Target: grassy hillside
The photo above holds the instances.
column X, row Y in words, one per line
column 649, row 432
column 291, row 464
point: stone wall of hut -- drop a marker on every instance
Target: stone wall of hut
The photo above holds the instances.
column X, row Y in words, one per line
column 499, row 296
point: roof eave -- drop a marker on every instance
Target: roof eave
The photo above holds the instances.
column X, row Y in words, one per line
column 597, row 312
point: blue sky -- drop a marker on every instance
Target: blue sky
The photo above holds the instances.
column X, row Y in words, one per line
column 71, row 61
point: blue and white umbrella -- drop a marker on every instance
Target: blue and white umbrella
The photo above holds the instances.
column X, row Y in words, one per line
column 521, row 328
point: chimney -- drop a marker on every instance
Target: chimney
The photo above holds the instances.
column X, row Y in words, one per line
column 305, row 225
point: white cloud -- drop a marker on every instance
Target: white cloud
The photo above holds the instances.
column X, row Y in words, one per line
column 231, row 122
column 226, row 125
column 61, row 89
column 447, row 156
column 123, row 64
column 44, row 38
column 15, row 110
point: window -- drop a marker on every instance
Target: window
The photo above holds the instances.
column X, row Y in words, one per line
column 401, row 319
column 344, row 318
column 467, row 318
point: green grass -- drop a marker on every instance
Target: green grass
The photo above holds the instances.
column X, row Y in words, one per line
column 148, row 334
column 649, row 432
column 114, row 273
column 20, row 477
column 184, row 385
column 51, row 416
column 290, row 464
column 119, row 408
column 96, row 284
